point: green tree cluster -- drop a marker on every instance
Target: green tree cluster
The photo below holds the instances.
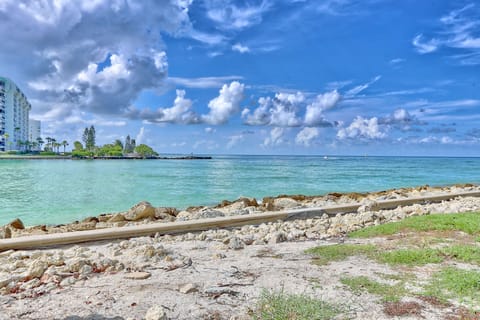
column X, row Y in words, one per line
column 89, row 138
column 115, row 149
column 79, row 152
column 145, row 151
column 110, row 150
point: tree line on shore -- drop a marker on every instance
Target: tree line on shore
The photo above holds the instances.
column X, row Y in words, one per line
column 51, row 145
column 87, row 149
column 116, row 149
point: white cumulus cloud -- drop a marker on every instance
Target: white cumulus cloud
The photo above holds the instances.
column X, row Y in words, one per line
column 279, row 111
column 95, row 56
column 362, row 128
column 314, row 113
column 226, row 104
column 306, row 136
column 181, row 112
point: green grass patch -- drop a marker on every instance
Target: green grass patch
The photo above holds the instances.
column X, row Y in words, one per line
column 280, row 306
column 410, row 257
column 464, row 253
column 389, row 293
column 466, row 222
column 454, row 283
column 422, row 256
column 338, row 252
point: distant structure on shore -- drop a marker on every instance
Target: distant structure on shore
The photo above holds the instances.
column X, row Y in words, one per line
column 34, row 131
column 16, row 128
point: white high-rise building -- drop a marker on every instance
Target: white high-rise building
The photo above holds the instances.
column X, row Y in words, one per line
column 34, row 131
column 14, row 116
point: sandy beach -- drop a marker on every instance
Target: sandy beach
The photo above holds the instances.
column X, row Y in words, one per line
column 214, row 274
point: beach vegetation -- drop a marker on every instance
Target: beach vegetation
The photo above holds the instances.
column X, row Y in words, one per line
column 111, row 150
column 77, row 145
column 337, row 252
column 279, row 305
column 114, row 150
column 454, row 283
column 118, row 143
column 89, row 137
column 388, row 293
column 145, row 151
column 462, row 252
column 409, row 257
column 465, row 222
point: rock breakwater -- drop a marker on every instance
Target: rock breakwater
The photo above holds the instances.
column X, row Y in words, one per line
column 33, row 273
column 144, row 212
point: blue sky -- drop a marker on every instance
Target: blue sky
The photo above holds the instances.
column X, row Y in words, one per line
column 341, row 77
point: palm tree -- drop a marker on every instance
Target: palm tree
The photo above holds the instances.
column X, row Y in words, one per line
column 49, row 142
column 28, row 144
column 64, row 144
column 34, row 145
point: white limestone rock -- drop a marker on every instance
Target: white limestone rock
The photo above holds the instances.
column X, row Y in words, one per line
column 285, row 203
column 140, row 211
column 156, row 313
column 36, row 269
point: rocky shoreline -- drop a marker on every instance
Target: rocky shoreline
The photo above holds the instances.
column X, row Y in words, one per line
column 39, row 273
column 144, row 212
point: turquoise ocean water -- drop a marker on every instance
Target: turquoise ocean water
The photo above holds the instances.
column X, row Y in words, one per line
column 60, row 191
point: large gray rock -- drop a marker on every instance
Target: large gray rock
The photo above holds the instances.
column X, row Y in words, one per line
column 277, row 237
column 140, row 211
column 168, row 214
column 285, row 203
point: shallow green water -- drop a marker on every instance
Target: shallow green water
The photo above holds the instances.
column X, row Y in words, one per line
column 59, row 191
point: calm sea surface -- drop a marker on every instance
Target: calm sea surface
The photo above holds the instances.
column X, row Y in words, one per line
column 60, row 191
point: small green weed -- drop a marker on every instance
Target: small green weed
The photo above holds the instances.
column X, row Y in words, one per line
column 464, row 253
column 466, row 222
column 338, row 252
column 389, row 293
column 281, row 306
column 409, row 257
column 454, row 283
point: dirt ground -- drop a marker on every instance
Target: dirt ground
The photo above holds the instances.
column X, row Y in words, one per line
column 214, row 282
